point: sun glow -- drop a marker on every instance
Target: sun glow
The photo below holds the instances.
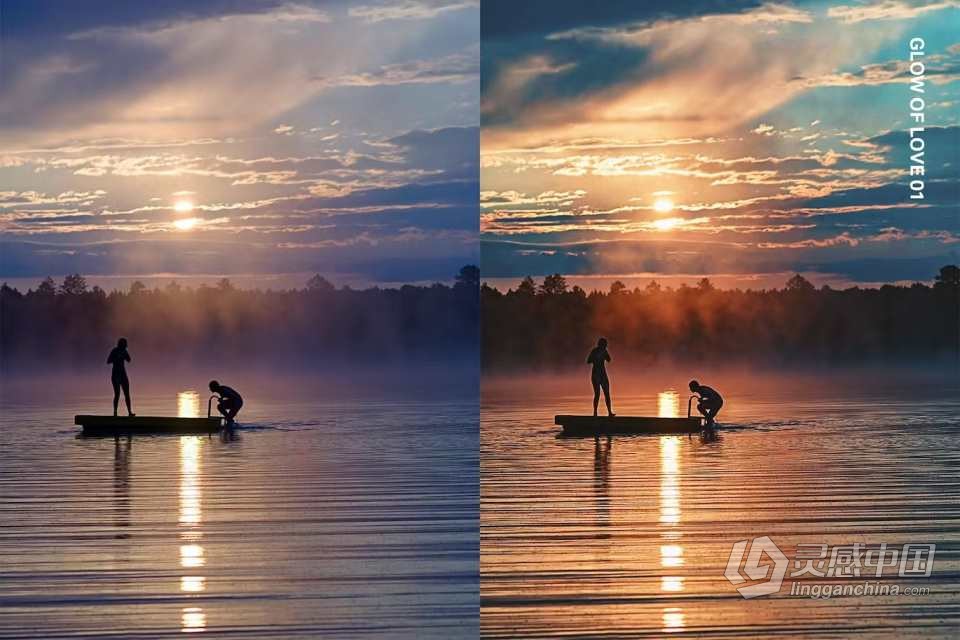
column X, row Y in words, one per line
column 663, row 205
column 185, row 224
column 666, row 224
column 183, row 206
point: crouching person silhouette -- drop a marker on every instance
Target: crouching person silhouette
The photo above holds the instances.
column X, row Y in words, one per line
column 710, row 401
column 230, row 401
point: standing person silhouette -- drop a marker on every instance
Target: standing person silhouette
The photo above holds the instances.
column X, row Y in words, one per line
column 599, row 357
column 118, row 358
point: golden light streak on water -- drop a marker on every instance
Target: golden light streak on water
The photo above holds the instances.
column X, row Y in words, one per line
column 193, row 619
column 673, row 619
column 191, row 514
column 192, row 584
column 191, row 555
column 629, row 536
column 188, row 404
column 190, row 509
column 671, row 555
column 101, row 537
column 668, row 404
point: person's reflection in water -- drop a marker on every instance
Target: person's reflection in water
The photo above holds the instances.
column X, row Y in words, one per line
column 599, row 357
column 601, row 480
column 229, row 435
column 118, row 377
column 121, row 485
column 709, row 436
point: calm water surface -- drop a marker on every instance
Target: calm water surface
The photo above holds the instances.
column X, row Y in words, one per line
column 346, row 516
column 630, row 536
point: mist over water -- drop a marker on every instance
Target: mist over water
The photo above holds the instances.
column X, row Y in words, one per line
column 628, row 536
column 72, row 326
column 346, row 504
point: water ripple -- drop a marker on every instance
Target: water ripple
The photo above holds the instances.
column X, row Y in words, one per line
column 628, row 537
column 349, row 518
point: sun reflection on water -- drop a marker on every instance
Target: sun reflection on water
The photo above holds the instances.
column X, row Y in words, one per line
column 191, row 515
column 673, row 619
column 193, row 619
column 668, row 404
column 191, row 555
column 188, row 404
column 671, row 552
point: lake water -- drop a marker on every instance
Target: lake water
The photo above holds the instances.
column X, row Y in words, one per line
column 335, row 511
column 630, row 536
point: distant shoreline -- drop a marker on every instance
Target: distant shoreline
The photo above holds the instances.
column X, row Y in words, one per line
column 767, row 281
column 244, row 281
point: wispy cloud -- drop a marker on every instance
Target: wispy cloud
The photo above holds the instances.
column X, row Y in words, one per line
column 267, row 136
column 408, row 9
column 744, row 138
column 887, row 10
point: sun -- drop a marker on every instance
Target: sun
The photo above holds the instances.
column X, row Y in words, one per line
column 183, row 206
column 186, row 224
column 663, row 205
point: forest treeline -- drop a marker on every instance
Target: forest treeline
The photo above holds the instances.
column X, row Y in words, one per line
column 73, row 324
column 550, row 324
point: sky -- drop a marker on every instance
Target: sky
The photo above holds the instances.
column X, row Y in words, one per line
column 260, row 139
column 739, row 140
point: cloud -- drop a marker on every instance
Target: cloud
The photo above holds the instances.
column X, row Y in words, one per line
column 515, row 198
column 408, row 9
column 842, row 239
column 669, row 78
column 511, row 83
column 731, row 109
column 205, row 77
column 454, row 68
column 209, row 76
column 938, row 69
column 643, row 33
column 106, row 120
column 505, row 19
column 887, row 10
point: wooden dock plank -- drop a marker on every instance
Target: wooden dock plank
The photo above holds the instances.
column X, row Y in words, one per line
column 108, row 425
column 590, row 425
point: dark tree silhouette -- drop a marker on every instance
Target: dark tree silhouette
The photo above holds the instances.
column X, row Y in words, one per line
column 469, row 278
column 74, row 285
column 799, row 283
column 949, row 277
column 555, row 285
column 320, row 284
column 551, row 325
column 47, row 288
column 73, row 324
column 527, row 287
